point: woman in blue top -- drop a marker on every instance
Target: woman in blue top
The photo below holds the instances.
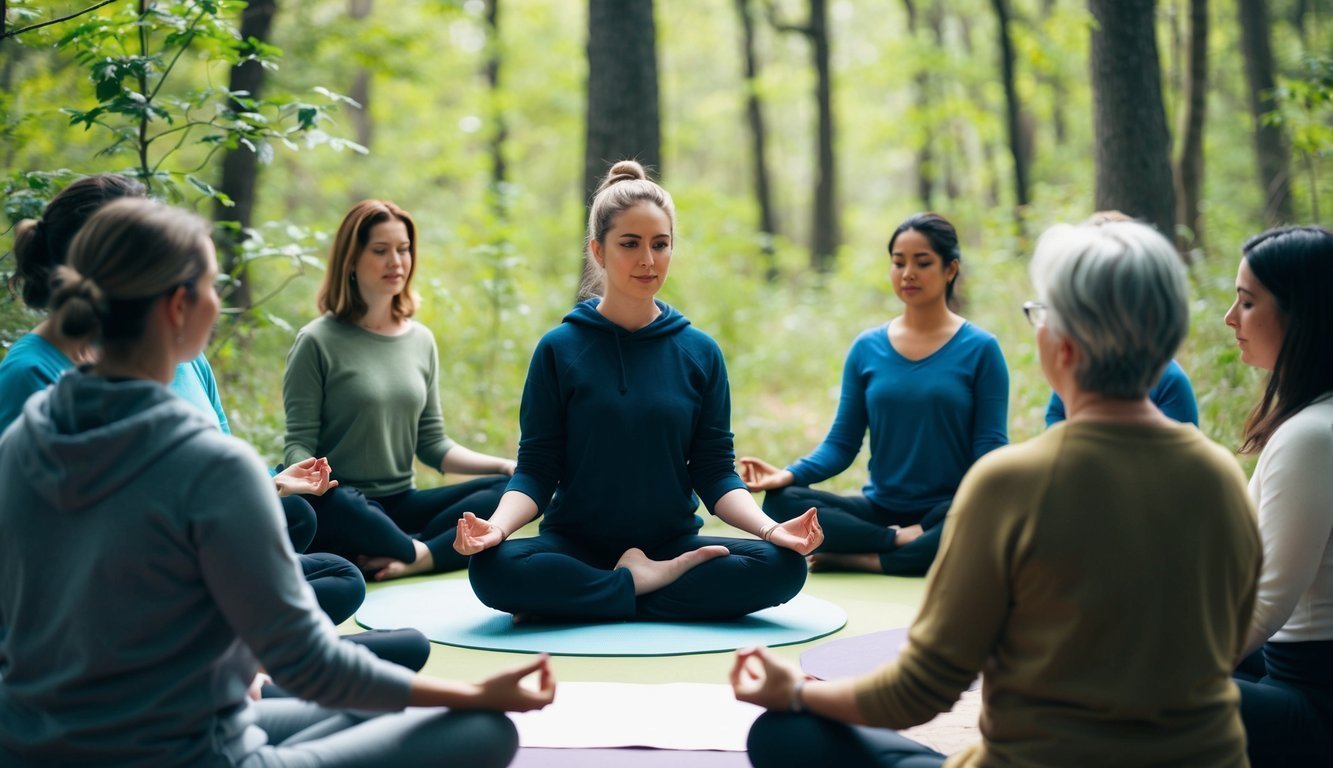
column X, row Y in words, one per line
column 625, row 417
column 933, row 390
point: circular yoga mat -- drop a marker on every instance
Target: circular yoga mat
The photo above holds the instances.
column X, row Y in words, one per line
column 448, row 612
column 856, row 656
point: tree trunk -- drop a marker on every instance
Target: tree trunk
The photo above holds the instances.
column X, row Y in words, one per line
column 1133, row 147
column 1014, row 113
column 240, row 166
column 925, row 182
column 360, row 90
column 758, row 139
column 623, row 119
column 1189, row 166
column 826, row 233
column 1269, row 143
column 500, row 130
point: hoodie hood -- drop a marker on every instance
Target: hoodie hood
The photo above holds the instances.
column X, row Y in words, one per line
column 668, row 323
column 86, row 437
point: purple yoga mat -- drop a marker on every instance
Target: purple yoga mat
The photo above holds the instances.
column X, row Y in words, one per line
column 626, row 758
column 855, row 656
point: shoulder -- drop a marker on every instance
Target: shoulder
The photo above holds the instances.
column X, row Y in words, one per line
column 977, row 336
column 1017, row 465
column 1306, row 435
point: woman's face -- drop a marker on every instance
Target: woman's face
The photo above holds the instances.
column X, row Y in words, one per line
column 1256, row 319
column 636, row 252
column 382, row 267
column 918, row 273
column 202, row 311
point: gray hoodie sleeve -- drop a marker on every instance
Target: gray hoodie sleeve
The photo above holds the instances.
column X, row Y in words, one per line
column 249, row 569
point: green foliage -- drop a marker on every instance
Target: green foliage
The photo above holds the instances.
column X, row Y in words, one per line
column 494, row 278
column 1305, row 112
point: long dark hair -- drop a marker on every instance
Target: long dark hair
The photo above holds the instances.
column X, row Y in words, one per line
column 943, row 239
column 1295, row 264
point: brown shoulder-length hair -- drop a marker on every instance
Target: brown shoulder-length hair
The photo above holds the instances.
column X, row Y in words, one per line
column 338, row 293
column 1295, row 264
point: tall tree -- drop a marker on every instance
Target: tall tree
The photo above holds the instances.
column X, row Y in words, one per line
column 827, row 233
column 1013, row 112
column 500, row 129
column 754, row 115
column 240, row 164
column 623, row 118
column 925, row 170
column 359, row 10
column 1131, row 143
column 1270, row 144
column 1189, row 165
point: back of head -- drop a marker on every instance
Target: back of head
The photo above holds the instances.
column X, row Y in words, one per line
column 626, row 185
column 128, row 255
column 338, row 293
column 1295, row 264
column 41, row 245
column 1117, row 290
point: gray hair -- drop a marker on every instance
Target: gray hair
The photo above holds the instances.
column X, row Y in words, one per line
column 1117, row 290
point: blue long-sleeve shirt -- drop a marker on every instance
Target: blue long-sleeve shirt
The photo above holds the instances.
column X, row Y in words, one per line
column 929, row 419
column 31, row 365
column 623, row 427
column 1173, row 396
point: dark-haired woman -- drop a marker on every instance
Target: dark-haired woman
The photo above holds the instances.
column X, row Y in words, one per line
column 933, row 390
column 1283, row 322
column 131, row 636
column 362, row 388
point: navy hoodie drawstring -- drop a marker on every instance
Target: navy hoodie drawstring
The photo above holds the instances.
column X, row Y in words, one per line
column 620, row 355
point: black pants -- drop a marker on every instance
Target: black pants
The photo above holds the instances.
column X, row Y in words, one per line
column 784, row 740
column 1288, row 712
column 854, row 525
column 352, row 524
column 553, row 576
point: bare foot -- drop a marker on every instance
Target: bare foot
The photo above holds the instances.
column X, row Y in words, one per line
column 867, row 562
column 652, row 575
column 385, row 568
column 907, row 534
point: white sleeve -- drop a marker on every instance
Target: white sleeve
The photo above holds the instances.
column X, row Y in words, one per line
column 1293, row 490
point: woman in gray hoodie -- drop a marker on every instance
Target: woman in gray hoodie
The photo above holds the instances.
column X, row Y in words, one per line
column 129, row 636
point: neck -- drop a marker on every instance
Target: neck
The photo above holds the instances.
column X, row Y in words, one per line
column 150, row 365
column 1087, row 406
column 378, row 316
column 77, row 350
column 630, row 314
column 928, row 317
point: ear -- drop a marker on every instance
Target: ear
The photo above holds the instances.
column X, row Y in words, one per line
column 176, row 304
column 952, row 271
column 1067, row 353
column 595, row 248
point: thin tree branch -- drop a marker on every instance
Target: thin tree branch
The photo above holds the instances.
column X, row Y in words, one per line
column 74, row 15
column 771, row 12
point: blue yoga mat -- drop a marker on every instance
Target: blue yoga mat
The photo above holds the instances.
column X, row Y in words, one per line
column 447, row 611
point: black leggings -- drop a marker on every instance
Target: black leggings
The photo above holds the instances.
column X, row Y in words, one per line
column 352, row 524
column 552, row 576
column 784, row 740
column 1288, row 712
column 853, row 525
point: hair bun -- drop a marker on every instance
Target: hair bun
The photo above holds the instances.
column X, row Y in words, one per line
column 625, row 170
column 78, row 303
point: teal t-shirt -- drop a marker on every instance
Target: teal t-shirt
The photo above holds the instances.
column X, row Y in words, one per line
column 32, row 364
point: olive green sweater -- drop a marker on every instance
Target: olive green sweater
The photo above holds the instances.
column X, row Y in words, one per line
column 367, row 402
column 1101, row 577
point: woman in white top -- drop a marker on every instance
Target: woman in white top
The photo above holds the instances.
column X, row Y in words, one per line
column 1283, row 321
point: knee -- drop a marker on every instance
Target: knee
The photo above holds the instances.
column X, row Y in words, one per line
column 301, row 522
column 491, row 741
column 771, row 743
column 338, row 586
column 789, row 571
column 489, row 574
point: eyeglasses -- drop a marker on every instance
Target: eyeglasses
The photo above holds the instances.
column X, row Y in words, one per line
column 1035, row 312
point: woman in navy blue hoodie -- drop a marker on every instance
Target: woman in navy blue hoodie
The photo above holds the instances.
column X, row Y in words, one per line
column 625, row 418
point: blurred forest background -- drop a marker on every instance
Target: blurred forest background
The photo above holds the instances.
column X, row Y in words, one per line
column 794, row 135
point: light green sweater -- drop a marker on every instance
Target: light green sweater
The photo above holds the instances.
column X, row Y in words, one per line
column 1101, row 577
column 367, row 402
